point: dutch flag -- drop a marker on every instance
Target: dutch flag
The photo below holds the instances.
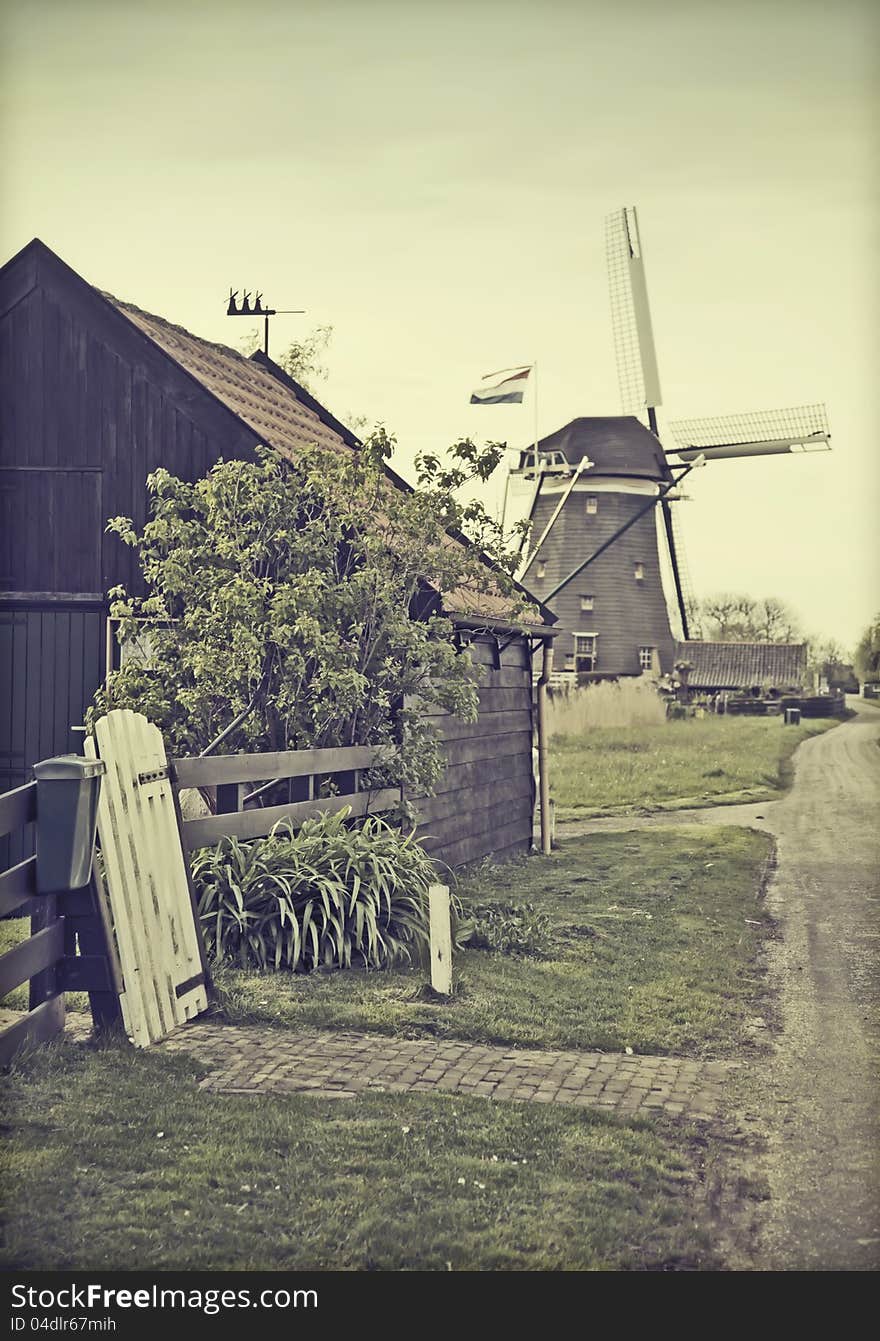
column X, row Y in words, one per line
column 502, row 388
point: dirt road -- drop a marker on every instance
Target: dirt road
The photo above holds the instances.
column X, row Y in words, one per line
column 807, row 1149
column 819, row 1097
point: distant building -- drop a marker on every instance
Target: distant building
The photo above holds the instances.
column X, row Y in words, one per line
column 838, row 677
column 762, row 669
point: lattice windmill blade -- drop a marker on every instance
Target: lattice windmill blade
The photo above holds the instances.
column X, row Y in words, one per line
column 630, row 315
column 801, row 428
column 678, row 566
column 687, row 606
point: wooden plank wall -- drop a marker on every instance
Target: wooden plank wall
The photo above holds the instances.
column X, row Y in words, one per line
column 87, row 409
column 51, row 662
column 484, row 804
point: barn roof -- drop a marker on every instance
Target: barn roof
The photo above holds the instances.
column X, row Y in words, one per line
column 744, row 665
column 273, row 409
column 618, row 444
column 265, row 402
column 285, row 416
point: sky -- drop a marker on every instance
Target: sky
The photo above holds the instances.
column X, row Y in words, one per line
column 431, row 179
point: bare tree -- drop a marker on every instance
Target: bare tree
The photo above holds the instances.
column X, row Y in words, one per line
column 737, row 618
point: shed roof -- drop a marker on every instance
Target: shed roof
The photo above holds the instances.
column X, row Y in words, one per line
column 744, row 665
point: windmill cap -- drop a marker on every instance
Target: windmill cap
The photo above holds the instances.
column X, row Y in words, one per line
column 617, row 444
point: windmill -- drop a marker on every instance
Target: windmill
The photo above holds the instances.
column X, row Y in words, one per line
column 603, row 490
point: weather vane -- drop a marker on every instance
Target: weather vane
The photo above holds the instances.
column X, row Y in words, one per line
column 258, row 310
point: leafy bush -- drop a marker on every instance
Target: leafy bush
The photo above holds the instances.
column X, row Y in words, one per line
column 331, row 894
column 506, row 928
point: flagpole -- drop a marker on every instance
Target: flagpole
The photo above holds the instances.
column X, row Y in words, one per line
column 534, row 368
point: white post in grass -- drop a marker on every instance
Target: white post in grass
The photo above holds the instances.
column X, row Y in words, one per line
column 441, row 939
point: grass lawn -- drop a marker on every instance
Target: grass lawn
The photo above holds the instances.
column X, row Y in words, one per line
column 655, row 938
column 695, row 762
column 113, row 1159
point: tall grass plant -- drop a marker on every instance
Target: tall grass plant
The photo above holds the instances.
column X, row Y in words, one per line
column 621, row 703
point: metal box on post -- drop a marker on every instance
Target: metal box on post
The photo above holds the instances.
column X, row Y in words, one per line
column 67, row 814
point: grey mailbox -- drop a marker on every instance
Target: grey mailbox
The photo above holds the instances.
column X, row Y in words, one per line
column 67, row 815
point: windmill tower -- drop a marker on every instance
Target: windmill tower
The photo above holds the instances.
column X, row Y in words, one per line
column 604, row 533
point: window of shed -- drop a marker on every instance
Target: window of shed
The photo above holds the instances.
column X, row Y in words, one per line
column 639, row 572
column 591, row 504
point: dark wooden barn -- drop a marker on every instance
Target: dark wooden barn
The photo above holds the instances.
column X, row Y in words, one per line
column 613, row 616
column 94, row 395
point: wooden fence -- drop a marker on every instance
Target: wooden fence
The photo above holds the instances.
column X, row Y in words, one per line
column 227, row 772
column 132, row 939
column 36, row 959
column 69, row 949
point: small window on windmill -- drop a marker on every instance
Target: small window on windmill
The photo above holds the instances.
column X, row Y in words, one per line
column 540, row 568
column 586, row 602
column 639, row 572
column 591, row 505
column 584, row 652
column 646, row 658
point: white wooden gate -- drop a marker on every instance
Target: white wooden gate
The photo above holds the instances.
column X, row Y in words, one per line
column 146, row 878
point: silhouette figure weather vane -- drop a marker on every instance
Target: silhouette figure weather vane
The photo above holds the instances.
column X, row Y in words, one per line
column 258, row 310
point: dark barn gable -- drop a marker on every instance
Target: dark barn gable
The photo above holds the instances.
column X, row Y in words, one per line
column 95, row 394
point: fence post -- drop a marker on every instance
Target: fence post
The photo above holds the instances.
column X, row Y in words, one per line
column 441, row 939
column 44, row 985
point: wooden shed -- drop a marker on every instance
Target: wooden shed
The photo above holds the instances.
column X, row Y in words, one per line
column 95, row 394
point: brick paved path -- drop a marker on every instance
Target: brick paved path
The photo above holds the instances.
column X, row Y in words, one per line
column 252, row 1059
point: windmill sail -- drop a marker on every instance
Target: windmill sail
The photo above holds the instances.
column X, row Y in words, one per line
column 688, row 613
column 802, row 428
column 630, row 314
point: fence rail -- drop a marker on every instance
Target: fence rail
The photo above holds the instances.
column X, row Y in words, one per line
column 227, row 771
column 132, row 939
column 35, row 960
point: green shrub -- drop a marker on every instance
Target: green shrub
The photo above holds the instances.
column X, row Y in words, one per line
column 506, row 928
column 331, row 894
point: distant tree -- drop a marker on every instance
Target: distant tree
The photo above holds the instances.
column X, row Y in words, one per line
column 867, row 657
column 302, row 359
column 823, row 652
column 736, row 618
